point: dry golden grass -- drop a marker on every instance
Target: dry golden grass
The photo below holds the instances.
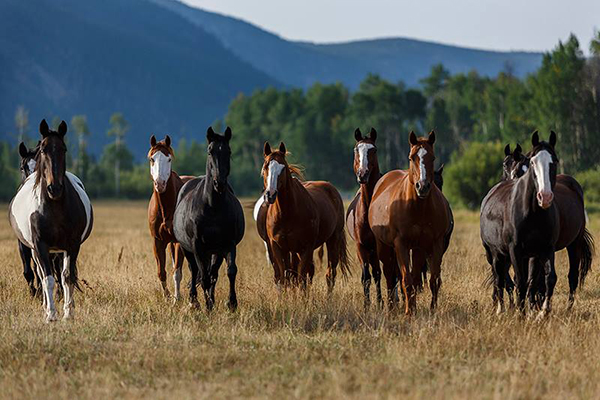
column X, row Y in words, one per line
column 127, row 341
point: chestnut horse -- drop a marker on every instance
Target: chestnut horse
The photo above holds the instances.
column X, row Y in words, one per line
column 301, row 216
column 161, row 209
column 408, row 212
column 366, row 169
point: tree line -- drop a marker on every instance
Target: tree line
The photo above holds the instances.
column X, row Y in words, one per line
column 473, row 116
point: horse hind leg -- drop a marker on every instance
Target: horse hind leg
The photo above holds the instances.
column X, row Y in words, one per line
column 69, row 280
column 194, row 270
column 574, row 252
column 376, row 272
column 42, row 258
column 363, row 256
column 177, row 256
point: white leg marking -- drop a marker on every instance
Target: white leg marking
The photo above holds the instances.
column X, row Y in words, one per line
column 176, row 281
column 69, row 304
column 48, row 288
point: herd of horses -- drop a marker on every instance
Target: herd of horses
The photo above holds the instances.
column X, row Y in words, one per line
column 400, row 221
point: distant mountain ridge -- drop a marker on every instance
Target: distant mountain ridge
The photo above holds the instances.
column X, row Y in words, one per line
column 174, row 69
column 302, row 64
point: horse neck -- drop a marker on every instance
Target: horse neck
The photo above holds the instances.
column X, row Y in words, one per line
column 209, row 193
column 286, row 199
column 367, row 189
column 167, row 199
column 524, row 195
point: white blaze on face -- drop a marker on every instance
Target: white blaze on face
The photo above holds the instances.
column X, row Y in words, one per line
column 421, row 154
column 363, row 159
column 160, row 169
column 541, row 165
column 275, row 169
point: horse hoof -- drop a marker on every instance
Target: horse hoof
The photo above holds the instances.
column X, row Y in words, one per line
column 232, row 305
column 68, row 315
column 194, row 305
column 52, row 317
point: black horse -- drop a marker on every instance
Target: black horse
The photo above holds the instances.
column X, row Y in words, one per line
column 573, row 235
column 51, row 213
column 209, row 222
column 520, row 225
column 27, row 167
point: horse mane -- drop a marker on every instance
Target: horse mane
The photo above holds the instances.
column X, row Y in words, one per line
column 297, row 171
column 160, row 146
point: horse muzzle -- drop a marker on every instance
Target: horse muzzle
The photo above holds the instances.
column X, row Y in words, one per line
column 55, row 190
column 362, row 177
column 545, row 199
column 271, row 197
column 423, row 188
column 160, row 186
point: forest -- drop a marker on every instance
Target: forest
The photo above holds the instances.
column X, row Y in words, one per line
column 474, row 117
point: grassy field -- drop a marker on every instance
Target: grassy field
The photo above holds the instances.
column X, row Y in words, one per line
column 127, row 341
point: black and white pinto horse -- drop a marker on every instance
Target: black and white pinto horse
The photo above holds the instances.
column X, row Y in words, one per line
column 209, row 222
column 27, row 167
column 51, row 213
column 520, row 225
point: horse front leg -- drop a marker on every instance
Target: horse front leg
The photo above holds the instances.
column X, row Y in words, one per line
column 435, row 271
column 193, row 266
column 279, row 265
column 231, row 274
column 25, row 253
column 520, row 267
column 160, row 248
column 363, row 257
column 550, row 280
column 177, row 255
column 215, row 264
column 403, row 259
column 69, row 280
column 42, row 258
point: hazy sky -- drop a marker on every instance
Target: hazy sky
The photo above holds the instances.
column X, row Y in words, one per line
column 497, row 24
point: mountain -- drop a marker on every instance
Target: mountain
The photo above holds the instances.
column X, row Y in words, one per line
column 66, row 57
column 174, row 69
column 302, row 64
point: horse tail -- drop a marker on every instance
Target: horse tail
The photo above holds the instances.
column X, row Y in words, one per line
column 321, row 254
column 343, row 253
column 587, row 254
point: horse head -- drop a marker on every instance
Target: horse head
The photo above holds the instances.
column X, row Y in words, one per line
column 218, row 161
column 28, row 157
column 160, row 157
column 421, row 159
column 51, row 159
column 273, row 166
column 544, row 163
column 515, row 164
column 365, row 155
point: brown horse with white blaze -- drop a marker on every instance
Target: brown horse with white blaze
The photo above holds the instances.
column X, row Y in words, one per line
column 301, row 217
column 161, row 209
column 366, row 169
column 409, row 213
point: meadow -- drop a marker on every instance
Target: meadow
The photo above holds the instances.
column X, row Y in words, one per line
column 127, row 341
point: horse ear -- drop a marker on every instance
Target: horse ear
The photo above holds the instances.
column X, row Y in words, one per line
column 358, row 135
column 412, row 138
column 440, row 169
column 23, row 151
column 518, row 149
column 228, row 134
column 282, row 148
column 431, row 138
column 507, row 151
column 267, row 149
column 44, row 130
column 168, row 141
column 373, row 134
column 210, row 134
column 535, row 139
column 62, row 128
column 152, row 141
column 552, row 139
column 518, row 154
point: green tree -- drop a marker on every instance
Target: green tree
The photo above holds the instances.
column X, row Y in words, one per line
column 82, row 131
column 21, row 123
column 118, row 128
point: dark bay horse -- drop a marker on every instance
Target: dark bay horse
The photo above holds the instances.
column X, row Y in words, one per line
column 366, row 169
column 209, row 222
column 161, row 210
column 522, row 224
column 573, row 235
column 301, row 217
column 27, row 167
column 51, row 213
column 409, row 213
